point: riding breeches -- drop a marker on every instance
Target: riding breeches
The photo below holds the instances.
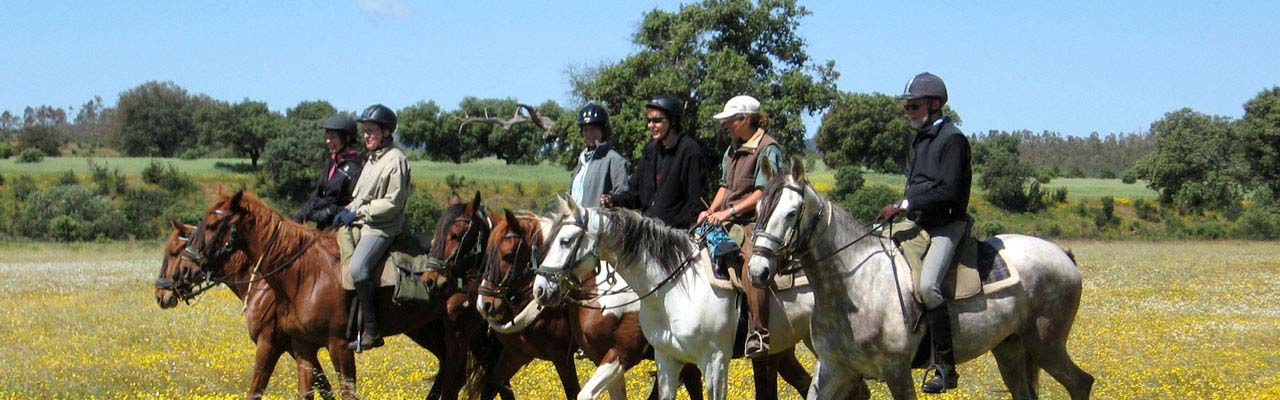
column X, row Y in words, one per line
column 942, row 248
column 365, row 257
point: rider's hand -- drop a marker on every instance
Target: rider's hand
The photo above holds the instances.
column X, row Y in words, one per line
column 888, row 212
column 702, row 217
column 344, row 217
column 606, row 201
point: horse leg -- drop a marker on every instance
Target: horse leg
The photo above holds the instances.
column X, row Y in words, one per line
column 792, row 371
column 609, row 376
column 829, row 384
column 1014, row 365
column 568, row 375
column 664, row 383
column 443, row 382
column 764, row 373
column 309, row 373
column 265, row 356
column 691, row 377
column 1047, row 344
column 898, row 378
column 716, row 369
column 344, row 362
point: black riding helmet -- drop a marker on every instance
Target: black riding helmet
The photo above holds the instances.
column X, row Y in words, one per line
column 594, row 114
column 381, row 115
column 925, row 85
column 343, row 124
column 669, row 105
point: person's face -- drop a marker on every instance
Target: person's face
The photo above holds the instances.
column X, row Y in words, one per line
column 592, row 133
column 659, row 125
column 737, row 127
column 333, row 140
column 917, row 111
column 373, row 135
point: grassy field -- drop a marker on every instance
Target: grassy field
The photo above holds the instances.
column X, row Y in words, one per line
column 492, row 170
column 1158, row 320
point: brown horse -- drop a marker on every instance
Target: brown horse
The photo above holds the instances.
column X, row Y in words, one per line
column 178, row 281
column 610, row 338
column 302, row 267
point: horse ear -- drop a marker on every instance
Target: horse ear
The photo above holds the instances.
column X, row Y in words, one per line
column 235, row 201
column 562, row 205
column 513, row 223
column 475, row 202
column 454, row 199
column 180, row 227
column 768, row 171
column 797, row 169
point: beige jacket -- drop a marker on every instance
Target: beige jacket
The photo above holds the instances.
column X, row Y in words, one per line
column 381, row 193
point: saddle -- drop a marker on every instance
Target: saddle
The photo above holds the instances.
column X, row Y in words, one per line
column 404, row 260
column 728, row 278
column 977, row 266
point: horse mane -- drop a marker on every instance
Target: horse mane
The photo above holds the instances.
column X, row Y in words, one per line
column 289, row 235
column 840, row 218
column 634, row 234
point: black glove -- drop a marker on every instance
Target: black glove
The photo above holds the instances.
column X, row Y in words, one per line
column 343, row 218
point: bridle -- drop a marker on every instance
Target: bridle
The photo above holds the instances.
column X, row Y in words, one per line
column 473, row 254
column 505, row 284
column 212, row 266
column 789, row 251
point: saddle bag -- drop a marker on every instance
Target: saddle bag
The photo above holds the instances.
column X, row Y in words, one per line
column 410, row 260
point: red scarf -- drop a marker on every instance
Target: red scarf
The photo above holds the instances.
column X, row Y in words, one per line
column 338, row 158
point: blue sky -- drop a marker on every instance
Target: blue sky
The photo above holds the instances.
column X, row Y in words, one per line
column 1071, row 67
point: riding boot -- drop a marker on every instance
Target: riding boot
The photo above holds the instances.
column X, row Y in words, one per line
column 944, row 360
column 369, row 336
column 758, row 304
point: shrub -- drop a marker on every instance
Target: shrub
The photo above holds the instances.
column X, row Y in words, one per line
column 1059, row 196
column 191, row 153
column 70, row 213
column 1260, row 222
column 23, row 187
column 1130, row 177
column 1107, row 173
column 422, row 211
column 68, row 178
column 864, row 205
column 849, row 180
column 176, row 182
column 31, row 155
column 1146, row 210
column 147, row 207
column 1044, row 175
column 6, row 150
column 989, row 228
column 110, row 183
column 289, row 163
column 1106, row 214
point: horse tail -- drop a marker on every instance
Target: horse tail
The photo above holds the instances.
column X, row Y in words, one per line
column 1071, row 255
column 482, row 359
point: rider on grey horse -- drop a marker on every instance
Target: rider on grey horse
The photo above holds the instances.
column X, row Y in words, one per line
column 936, row 199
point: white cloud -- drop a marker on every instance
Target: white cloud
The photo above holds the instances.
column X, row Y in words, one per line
column 385, row 8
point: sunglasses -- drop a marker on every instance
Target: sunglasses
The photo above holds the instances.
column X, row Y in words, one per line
column 911, row 107
column 657, row 120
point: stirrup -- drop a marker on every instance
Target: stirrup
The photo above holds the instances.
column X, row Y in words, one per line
column 359, row 344
column 756, row 345
column 947, row 384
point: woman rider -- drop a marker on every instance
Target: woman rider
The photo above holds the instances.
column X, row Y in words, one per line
column 741, row 187
column 336, row 181
column 375, row 215
column 600, row 168
column 667, row 185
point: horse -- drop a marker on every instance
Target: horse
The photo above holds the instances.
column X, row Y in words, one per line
column 176, row 282
column 685, row 318
column 607, row 330
column 867, row 329
column 302, row 268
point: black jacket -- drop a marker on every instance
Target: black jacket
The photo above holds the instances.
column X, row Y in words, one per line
column 331, row 193
column 678, row 200
column 939, row 176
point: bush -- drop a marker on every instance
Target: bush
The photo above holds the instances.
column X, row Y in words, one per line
column 1044, row 175
column 68, row 178
column 864, row 205
column 70, row 213
column 191, row 153
column 31, row 156
column 1059, row 196
column 147, row 207
column 1146, row 210
column 1260, row 222
column 422, row 211
column 1107, row 173
column 849, row 180
column 989, row 228
column 108, row 183
column 1106, row 214
column 1003, row 183
column 176, row 182
column 6, row 150
column 23, row 187
column 289, row 164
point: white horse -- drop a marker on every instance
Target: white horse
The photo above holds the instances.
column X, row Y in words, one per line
column 685, row 319
column 865, row 299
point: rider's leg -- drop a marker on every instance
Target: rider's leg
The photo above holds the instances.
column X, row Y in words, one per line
column 363, row 260
column 757, row 302
column 937, row 261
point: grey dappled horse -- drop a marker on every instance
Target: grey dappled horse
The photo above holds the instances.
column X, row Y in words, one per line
column 867, row 309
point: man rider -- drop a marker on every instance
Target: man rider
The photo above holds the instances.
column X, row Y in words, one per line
column 936, row 199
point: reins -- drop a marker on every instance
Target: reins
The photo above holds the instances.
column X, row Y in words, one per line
column 213, row 281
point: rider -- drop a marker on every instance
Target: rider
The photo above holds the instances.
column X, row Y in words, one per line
column 667, row 185
column 375, row 215
column 600, row 168
column 936, row 199
column 741, row 187
column 338, row 178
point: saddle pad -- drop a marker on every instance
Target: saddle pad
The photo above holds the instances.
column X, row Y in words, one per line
column 734, row 281
column 976, row 267
column 405, row 251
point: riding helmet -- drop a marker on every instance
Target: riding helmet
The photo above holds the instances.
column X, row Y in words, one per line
column 925, row 85
column 381, row 115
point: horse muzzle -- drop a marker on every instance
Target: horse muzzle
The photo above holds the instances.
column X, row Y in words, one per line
column 761, row 271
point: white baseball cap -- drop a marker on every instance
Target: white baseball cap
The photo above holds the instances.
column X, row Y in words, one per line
column 739, row 105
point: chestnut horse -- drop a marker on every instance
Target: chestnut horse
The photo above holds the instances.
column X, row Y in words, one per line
column 177, row 282
column 609, row 337
column 302, row 267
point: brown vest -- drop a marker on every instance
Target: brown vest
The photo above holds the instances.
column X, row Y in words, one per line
column 740, row 179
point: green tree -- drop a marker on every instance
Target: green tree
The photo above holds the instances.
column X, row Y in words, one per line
column 311, row 110
column 865, row 130
column 706, row 53
column 290, row 161
column 245, row 126
column 1260, row 131
column 45, row 138
column 1193, row 165
column 424, row 125
column 153, row 119
column 521, row 144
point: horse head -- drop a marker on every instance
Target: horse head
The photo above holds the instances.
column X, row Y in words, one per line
column 513, row 247
column 220, row 232
column 457, row 247
column 779, row 223
column 571, row 255
column 177, row 278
